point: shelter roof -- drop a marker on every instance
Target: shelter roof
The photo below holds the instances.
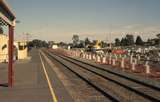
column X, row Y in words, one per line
column 6, row 14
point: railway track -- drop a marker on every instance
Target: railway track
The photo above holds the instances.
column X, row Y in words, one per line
column 114, row 86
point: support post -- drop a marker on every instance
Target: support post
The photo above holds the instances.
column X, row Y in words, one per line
column 110, row 59
column 113, row 62
column 131, row 59
column 104, row 60
column 122, row 63
column 10, row 54
column 133, row 66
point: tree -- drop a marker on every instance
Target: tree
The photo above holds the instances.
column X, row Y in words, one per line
column 87, row 41
column 103, row 44
column 75, row 39
column 158, row 35
column 50, row 43
column 82, row 44
column 139, row 41
column 38, row 43
column 129, row 40
column 123, row 42
column 62, row 44
column 94, row 42
column 117, row 42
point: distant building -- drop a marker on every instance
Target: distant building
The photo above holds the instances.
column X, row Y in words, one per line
column 54, row 46
column 22, row 49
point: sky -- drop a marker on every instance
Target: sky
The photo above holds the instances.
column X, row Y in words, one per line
column 59, row 20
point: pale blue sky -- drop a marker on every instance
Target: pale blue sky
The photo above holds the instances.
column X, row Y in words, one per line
column 58, row 20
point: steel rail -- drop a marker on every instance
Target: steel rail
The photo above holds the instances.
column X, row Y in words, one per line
column 118, row 74
column 107, row 95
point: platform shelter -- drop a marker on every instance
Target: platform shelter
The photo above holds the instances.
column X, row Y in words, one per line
column 8, row 18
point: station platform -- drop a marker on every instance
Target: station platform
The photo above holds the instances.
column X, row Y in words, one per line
column 30, row 82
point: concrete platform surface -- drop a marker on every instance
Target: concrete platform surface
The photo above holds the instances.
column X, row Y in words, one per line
column 30, row 84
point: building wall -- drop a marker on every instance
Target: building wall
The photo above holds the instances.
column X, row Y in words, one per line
column 22, row 49
column 3, row 48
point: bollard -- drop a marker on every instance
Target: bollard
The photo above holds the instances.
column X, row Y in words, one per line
column 116, row 58
column 139, row 58
column 133, row 66
column 147, row 66
column 122, row 63
column 135, row 61
column 84, row 55
column 104, row 60
column 110, row 59
column 90, row 57
column 87, row 56
column 113, row 62
column 107, row 60
column 147, row 69
column 98, row 59
column 131, row 59
column 147, row 62
column 94, row 57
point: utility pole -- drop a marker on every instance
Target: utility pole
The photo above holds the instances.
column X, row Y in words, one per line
column 110, row 40
column 27, row 37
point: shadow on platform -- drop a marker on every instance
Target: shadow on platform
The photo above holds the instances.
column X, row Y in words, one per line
column 4, row 85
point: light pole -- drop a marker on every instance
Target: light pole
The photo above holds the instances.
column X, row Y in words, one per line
column 110, row 40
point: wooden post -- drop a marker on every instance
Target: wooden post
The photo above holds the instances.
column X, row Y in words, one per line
column 104, row 60
column 90, row 57
column 113, row 62
column 10, row 54
column 147, row 69
column 135, row 61
column 147, row 61
column 131, row 59
column 139, row 58
column 147, row 66
column 84, row 55
column 122, row 63
column 94, row 57
column 116, row 58
column 133, row 66
column 98, row 59
column 110, row 59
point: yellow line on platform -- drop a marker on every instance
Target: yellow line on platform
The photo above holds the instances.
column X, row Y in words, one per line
column 48, row 81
